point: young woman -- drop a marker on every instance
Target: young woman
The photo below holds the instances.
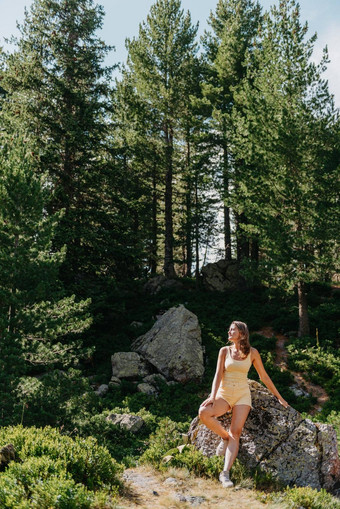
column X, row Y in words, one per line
column 230, row 391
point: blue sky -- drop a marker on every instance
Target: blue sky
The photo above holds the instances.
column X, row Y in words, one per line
column 123, row 17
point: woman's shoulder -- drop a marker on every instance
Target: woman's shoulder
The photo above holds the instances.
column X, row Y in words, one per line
column 254, row 353
column 224, row 350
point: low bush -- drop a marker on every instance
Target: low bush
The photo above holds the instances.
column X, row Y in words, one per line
column 123, row 445
column 303, row 498
column 321, row 366
column 56, row 471
column 168, row 435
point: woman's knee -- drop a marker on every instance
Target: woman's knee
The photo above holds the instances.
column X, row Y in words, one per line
column 235, row 433
column 204, row 412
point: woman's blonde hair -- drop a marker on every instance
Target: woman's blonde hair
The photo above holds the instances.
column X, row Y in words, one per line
column 244, row 342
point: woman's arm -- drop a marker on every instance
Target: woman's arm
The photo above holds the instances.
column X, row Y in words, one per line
column 258, row 364
column 217, row 377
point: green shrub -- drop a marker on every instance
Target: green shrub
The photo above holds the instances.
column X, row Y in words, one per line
column 262, row 343
column 55, row 399
column 123, row 445
column 167, row 436
column 321, row 366
column 12, row 493
column 195, row 461
column 304, row 498
column 55, row 470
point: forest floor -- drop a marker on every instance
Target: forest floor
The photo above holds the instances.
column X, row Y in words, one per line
column 281, row 361
column 176, row 488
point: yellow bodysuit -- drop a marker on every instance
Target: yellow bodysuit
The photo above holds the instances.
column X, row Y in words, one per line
column 234, row 387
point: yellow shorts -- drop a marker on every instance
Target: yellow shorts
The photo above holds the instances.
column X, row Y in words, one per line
column 235, row 394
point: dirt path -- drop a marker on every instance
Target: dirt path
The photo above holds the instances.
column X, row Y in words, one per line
column 281, row 361
column 176, row 488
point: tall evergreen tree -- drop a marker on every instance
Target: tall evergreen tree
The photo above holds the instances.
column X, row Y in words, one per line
column 160, row 58
column 39, row 323
column 287, row 134
column 137, row 151
column 58, row 90
column 233, row 27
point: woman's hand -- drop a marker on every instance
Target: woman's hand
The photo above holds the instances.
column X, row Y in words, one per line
column 283, row 402
column 208, row 401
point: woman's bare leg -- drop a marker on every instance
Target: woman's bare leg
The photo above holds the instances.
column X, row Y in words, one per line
column 240, row 414
column 208, row 415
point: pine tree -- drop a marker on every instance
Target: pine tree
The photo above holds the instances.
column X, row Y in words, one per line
column 58, row 91
column 137, row 152
column 233, row 26
column 40, row 325
column 159, row 59
column 287, row 134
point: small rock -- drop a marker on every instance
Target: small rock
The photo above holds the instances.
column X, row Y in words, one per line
column 136, row 324
column 102, row 390
column 115, row 381
column 154, row 379
column 147, row 389
column 194, row 501
column 181, row 497
column 298, row 391
column 7, row 454
column 130, row 422
column 170, row 480
column 155, row 493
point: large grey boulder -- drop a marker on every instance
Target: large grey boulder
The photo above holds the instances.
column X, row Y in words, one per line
column 174, row 345
column 222, row 275
column 128, row 365
column 294, row 450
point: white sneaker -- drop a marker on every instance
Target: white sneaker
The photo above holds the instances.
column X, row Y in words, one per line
column 222, row 447
column 224, row 478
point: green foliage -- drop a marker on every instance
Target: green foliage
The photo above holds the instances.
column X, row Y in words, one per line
column 54, row 399
column 320, row 365
column 123, row 445
column 195, row 461
column 166, row 437
column 305, row 498
column 263, row 343
column 56, row 471
column 286, row 121
column 40, row 324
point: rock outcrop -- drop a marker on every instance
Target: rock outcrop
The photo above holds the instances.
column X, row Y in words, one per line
column 222, row 275
column 173, row 346
column 128, row 365
column 294, row 450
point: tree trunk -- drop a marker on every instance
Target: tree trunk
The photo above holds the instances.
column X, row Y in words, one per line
column 303, row 311
column 226, row 210
column 153, row 254
column 189, row 217
column 254, row 253
column 197, row 250
column 242, row 241
column 169, row 269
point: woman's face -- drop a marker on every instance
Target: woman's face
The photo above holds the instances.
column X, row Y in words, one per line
column 233, row 333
